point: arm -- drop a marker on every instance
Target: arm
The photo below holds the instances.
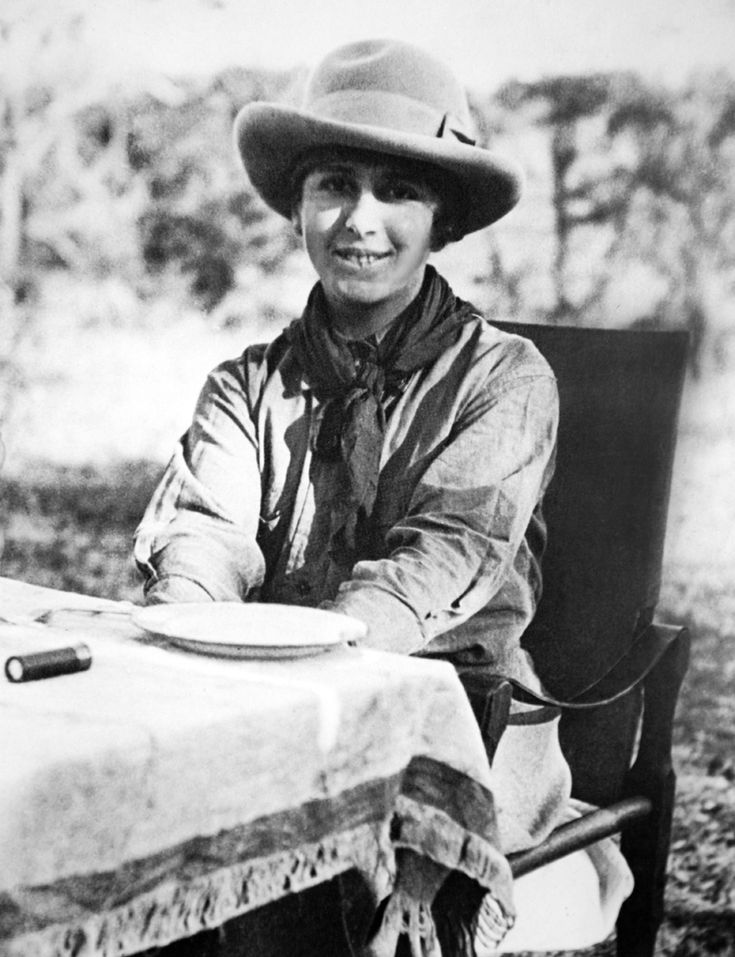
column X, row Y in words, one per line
column 465, row 522
column 197, row 539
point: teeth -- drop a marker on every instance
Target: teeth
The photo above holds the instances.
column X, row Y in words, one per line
column 361, row 259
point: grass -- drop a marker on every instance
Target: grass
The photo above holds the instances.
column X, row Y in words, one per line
column 700, row 895
column 72, row 527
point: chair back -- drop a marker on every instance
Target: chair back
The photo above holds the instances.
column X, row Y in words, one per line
column 606, row 511
column 607, row 504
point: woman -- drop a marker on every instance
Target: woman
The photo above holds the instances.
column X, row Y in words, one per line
column 387, row 455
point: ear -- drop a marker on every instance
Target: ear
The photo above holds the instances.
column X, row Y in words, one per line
column 441, row 236
column 296, row 222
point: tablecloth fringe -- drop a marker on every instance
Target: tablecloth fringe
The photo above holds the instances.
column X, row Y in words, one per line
column 177, row 909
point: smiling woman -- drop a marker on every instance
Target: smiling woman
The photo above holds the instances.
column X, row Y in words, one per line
column 386, row 456
column 368, row 228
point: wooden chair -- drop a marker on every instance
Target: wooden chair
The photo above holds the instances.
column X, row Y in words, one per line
column 614, row 672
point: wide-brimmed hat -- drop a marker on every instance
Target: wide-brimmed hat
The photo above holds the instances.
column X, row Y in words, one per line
column 385, row 96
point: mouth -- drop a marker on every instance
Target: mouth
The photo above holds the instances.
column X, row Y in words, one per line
column 360, row 258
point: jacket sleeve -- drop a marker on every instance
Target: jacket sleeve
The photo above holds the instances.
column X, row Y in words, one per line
column 197, row 538
column 466, row 520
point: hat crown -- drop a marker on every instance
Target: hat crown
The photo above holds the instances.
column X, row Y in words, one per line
column 381, row 96
column 392, row 84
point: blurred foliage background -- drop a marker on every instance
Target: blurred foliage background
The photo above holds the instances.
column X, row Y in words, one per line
column 124, row 214
column 629, row 216
column 134, row 256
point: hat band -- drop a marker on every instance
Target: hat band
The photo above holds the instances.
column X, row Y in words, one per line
column 378, row 108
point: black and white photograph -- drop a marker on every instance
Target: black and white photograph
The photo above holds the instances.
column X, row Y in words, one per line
column 367, row 513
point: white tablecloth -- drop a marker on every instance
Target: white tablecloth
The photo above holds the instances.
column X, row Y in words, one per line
column 160, row 792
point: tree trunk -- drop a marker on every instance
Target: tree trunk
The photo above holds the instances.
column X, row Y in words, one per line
column 11, row 203
column 563, row 153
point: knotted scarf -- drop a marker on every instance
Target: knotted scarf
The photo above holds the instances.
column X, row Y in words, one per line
column 358, row 382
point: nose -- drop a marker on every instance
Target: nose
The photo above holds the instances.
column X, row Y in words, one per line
column 362, row 215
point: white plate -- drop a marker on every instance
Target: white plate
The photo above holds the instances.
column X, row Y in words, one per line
column 250, row 629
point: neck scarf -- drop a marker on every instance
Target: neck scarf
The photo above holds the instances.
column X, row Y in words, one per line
column 357, row 381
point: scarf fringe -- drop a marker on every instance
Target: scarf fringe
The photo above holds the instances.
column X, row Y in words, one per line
column 405, row 916
column 433, row 834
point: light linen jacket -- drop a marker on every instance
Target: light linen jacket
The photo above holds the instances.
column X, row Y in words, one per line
column 243, row 509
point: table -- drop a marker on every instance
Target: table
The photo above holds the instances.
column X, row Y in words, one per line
column 162, row 793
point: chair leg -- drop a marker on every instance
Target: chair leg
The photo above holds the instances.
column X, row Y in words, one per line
column 645, row 844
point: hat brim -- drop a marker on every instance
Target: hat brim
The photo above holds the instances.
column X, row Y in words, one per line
column 270, row 138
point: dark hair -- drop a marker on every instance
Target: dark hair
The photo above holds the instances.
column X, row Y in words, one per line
column 449, row 220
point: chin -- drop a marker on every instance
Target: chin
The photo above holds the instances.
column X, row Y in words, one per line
column 361, row 294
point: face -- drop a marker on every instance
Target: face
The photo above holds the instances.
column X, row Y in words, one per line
column 367, row 227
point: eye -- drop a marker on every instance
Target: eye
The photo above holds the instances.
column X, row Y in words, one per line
column 334, row 182
column 402, row 191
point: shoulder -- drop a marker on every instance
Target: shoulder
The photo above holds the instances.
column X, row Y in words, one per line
column 260, row 365
column 500, row 356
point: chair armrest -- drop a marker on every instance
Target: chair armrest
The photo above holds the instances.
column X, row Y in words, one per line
column 490, row 694
column 647, row 649
column 580, row 833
